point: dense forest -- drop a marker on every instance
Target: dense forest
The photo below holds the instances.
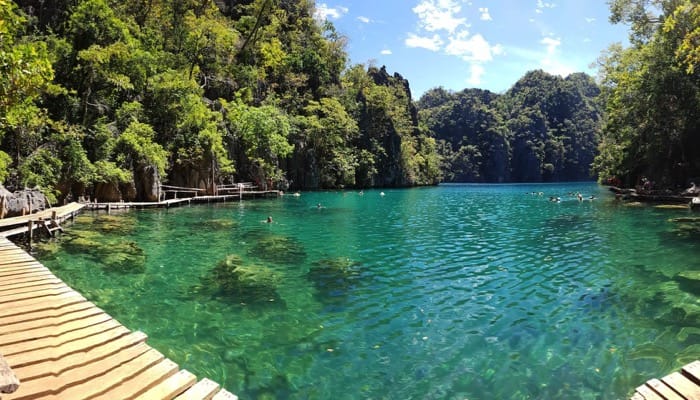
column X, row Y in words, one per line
column 110, row 99
column 651, row 92
column 544, row 129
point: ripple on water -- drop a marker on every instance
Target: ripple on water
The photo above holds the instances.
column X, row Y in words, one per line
column 470, row 291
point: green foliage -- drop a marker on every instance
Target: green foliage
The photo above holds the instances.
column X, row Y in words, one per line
column 109, row 172
column 102, row 90
column 5, row 162
column 262, row 132
column 41, row 169
column 135, row 148
column 651, row 92
column 545, row 128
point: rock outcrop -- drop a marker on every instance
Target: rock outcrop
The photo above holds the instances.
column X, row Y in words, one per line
column 21, row 202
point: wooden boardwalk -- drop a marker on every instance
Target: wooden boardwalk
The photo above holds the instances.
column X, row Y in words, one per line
column 183, row 201
column 683, row 385
column 62, row 346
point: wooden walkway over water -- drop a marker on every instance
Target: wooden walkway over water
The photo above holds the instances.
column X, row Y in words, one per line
column 682, row 385
column 184, row 200
column 61, row 346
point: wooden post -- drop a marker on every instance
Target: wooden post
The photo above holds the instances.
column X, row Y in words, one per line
column 8, row 381
column 30, row 226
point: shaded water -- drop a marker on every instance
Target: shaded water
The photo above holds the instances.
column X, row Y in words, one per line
column 452, row 292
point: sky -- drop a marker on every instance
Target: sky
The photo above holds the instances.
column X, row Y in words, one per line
column 487, row 44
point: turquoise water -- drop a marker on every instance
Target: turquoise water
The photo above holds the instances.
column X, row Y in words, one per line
column 449, row 292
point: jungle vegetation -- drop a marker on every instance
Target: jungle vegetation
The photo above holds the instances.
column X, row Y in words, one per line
column 111, row 98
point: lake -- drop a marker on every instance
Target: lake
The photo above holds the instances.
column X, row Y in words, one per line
column 448, row 292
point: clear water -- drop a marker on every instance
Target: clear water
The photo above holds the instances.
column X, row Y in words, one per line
column 450, row 292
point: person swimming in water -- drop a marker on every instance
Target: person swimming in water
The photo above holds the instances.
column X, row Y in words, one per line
column 269, row 219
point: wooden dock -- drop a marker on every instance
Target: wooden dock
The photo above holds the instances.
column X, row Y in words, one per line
column 61, row 346
column 183, row 201
column 682, row 385
column 17, row 225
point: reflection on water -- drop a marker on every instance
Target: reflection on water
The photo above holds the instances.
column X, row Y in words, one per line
column 459, row 291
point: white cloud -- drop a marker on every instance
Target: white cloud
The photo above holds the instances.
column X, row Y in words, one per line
column 435, row 15
column 550, row 62
column 323, row 12
column 474, row 48
column 476, row 72
column 551, row 44
column 386, row 52
column 485, row 16
column 364, row 20
column 541, row 5
column 590, row 20
column 431, row 43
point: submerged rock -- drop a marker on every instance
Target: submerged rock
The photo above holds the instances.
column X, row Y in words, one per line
column 118, row 255
column 333, row 277
column 278, row 249
column 244, row 282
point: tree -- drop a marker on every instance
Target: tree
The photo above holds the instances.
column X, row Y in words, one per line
column 25, row 74
column 651, row 92
column 262, row 134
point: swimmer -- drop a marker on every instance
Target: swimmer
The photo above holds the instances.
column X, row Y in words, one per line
column 381, row 194
column 269, row 219
column 319, row 206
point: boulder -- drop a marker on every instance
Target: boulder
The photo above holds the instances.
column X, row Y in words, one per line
column 147, row 183
column 107, row 192
column 21, row 202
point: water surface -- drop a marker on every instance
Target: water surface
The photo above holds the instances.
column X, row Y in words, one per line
column 450, row 292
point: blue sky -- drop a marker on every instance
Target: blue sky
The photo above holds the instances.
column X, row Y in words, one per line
column 486, row 44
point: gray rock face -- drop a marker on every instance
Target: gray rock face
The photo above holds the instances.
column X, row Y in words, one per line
column 147, row 183
column 21, row 202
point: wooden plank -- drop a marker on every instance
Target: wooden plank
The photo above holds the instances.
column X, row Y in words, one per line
column 8, row 260
column 90, row 379
column 66, row 348
column 225, row 395
column 48, row 342
column 53, row 331
column 25, row 322
column 33, row 295
column 143, row 382
column 7, row 265
column 692, row 371
column 19, row 271
column 31, row 284
column 637, row 396
column 648, row 393
column 39, row 304
column 56, row 284
column 665, row 391
column 682, row 385
column 113, row 378
column 172, row 387
column 77, row 358
column 202, row 390
column 28, row 277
